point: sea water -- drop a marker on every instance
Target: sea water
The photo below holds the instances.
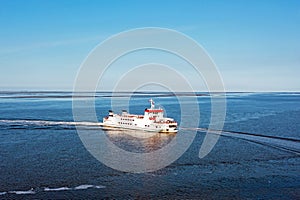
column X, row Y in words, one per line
column 257, row 156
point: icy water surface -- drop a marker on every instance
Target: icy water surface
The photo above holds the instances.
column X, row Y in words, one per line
column 257, row 156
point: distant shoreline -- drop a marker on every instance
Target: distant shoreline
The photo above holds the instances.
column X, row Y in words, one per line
column 142, row 94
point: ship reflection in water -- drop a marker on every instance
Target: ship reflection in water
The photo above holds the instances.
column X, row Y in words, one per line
column 137, row 140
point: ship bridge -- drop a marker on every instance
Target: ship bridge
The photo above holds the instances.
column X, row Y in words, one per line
column 153, row 113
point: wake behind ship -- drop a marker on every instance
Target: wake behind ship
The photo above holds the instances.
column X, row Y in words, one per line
column 153, row 120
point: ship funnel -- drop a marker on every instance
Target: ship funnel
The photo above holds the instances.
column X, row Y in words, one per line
column 124, row 112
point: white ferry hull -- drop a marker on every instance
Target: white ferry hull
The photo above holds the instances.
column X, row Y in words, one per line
column 152, row 121
column 140, row 129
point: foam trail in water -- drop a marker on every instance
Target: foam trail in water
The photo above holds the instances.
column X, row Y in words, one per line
column 80, row 187
column 57, row 189
column 83, row 187
column 48, row 189
column 45, row 122
column 23, row 192
column 287, row 144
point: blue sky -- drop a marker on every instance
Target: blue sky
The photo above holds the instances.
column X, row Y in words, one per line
column 255, row 44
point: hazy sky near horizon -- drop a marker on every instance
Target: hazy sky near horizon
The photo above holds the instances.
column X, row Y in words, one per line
column 255, row 44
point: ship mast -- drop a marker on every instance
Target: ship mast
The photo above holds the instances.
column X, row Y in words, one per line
column 151, row 103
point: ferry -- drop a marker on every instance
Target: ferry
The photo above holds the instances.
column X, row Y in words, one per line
column 153, row 120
